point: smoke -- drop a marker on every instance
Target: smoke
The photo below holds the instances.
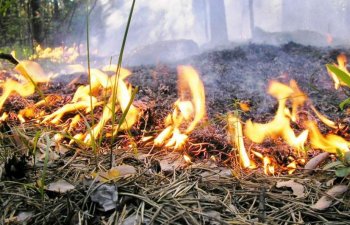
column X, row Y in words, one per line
column 213, row 23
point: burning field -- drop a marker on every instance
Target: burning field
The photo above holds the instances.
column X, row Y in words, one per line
column 249, row 134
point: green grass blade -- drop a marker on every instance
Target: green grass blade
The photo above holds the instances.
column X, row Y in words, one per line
column 344, row 103
column 88, row 59
column 120, row 59
column 342, row 75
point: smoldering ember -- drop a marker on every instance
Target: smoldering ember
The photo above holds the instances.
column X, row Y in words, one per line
column 174, row 112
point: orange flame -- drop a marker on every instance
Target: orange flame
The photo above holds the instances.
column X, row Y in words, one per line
column 83, row 99
column 329, row 38
column 189, row 85
column 236, row 136
column 280, row 125
column 31, row 72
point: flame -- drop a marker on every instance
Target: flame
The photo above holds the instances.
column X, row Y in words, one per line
column 280, row 125
column 342, row 62
column 236, row 136
column 187, row 158
column 58, row 54
column 329, row 143
column 31, row 73
column 123, row 97
column 269, row 168
column 4, row 117
column 189, row 85
column 329, row 38
column 292, row 167
column 244, row 106
column 325, row 120
column 86, row 98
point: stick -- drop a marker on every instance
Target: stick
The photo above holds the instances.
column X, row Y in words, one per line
column 9, row 58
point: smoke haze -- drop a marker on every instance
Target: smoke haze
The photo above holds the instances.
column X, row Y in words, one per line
column 203, row 24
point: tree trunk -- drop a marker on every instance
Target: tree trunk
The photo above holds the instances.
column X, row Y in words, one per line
column 56, row 11
column 218, row 26
column 251, row 18
column 36, row 21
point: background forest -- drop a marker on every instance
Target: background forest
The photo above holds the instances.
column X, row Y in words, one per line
column 26, row 23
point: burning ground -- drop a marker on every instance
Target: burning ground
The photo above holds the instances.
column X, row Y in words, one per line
column 179, row 157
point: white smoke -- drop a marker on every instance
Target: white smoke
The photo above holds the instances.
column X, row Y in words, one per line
column 208, row 24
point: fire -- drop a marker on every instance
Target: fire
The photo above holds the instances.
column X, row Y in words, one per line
column 269, row 167
column 325, row 120
column 187, row 158
column 86, row 98
column 280, row 125
column 31, row 73
column 123, row 97
column 329, row 143
column 342, row 62
column 236, row 136
column 186, row 111
column 4, row 117
column 58, row 54
column 329, row 38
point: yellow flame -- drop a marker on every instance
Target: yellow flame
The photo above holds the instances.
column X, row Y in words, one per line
column 269, row 168
column 280, row 125
column 187, row 158
column 342, row 62
column 329, row 143
column 31, row 72
column 4, row 117
column 236, row 136
column 292, row 167
column 190, row 86
column 325, row 120
column 123, row 97
column 58, row 54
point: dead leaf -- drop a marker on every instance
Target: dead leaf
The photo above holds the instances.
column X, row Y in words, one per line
column 114, row 173
column 60, row 186
column 326, row 201
column 212, row 217
column 315, row 161
column 216, row 174
column 298, row 189
column 24, row 216
column 61, row 149
column 172, row 162
column 106, row 196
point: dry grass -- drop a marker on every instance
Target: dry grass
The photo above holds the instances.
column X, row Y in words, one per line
column 200, row 193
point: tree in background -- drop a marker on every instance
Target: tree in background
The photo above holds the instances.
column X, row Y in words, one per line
column 36, row 21
column 217, row 22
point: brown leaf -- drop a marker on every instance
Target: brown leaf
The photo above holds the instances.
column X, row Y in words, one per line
column 315, row 161
column 115, row 172
column 326, row 201
column 60, row 186
column 298, row 189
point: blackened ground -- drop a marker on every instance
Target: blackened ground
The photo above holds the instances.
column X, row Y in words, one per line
column 243, row 73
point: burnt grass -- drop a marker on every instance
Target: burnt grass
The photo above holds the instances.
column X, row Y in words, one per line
column 186, row 195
